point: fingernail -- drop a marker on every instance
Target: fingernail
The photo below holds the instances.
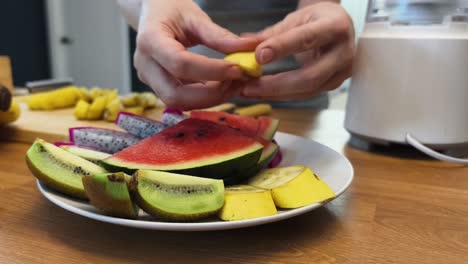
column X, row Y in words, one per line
column 234, row 73
column 266, row 55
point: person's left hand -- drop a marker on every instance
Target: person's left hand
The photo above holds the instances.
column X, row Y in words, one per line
column 321, row 37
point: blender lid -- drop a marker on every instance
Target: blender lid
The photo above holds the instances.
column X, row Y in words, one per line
column 416, row 12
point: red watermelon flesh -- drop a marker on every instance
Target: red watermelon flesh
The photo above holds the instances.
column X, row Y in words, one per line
column 263, row 127
column 192, row 143
column 267, row 127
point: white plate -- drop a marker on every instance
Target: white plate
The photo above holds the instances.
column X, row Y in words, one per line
column 329, row 165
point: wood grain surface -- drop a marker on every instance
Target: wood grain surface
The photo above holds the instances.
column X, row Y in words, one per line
column 401, row 208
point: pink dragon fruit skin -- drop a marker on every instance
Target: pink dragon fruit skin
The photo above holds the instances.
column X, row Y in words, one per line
column 275, row 162
column 173, row 111
column 139, row 126
column 101, row 139
column 60, row 143
column 172, row 116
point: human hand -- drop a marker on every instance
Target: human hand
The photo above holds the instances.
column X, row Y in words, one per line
column 321, row 37
column 180, row 78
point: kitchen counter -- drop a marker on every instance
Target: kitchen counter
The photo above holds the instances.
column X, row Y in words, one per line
column 401, row 208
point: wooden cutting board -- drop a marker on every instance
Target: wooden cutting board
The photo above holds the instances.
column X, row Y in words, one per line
column 53, row 125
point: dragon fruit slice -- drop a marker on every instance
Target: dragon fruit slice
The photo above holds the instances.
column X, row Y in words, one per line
column 172, row 116
column 60, row 143
column 139, row 126
column 104, row 140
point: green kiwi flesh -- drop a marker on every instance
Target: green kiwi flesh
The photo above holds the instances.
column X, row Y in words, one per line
column 88, row 154
column 177, row 197
column 60, row 170
column 109, row 193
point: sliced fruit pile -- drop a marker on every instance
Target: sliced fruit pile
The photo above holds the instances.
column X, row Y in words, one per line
column 93, row 104
column 205, row 165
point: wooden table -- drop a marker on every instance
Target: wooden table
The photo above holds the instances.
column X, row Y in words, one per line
column 401, row 208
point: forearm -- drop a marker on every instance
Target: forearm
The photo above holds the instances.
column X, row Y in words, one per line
column 131, row 11
column 303, row 3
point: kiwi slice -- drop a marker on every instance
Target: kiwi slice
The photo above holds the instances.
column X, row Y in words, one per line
column 177, row 197
column 88, row 154
column 109, row 193
column 60, row 170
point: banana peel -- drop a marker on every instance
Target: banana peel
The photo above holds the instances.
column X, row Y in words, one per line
column 293, row 186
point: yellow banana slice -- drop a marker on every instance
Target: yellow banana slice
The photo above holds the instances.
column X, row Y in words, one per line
column 246, row 202
column 247, row 62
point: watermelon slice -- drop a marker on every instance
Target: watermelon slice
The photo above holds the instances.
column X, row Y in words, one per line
column 267, row 127
column 270, row 150
column 263, row 127
column 193, row 147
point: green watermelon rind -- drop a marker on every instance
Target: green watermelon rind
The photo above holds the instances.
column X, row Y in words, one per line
column 269, row 133
column 267, row 156
column 220, row 167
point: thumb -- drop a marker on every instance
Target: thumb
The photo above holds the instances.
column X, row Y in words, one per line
column 221, row 39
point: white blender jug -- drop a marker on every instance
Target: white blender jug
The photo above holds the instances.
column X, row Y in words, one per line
column 410, row 79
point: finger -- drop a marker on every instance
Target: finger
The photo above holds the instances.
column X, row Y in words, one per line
column 174, row 93
column 221, row 39
column 308, row 36
column 283, row 26
column 172, row 55
column 334, row 82
column 302, row 81
column 338, row 79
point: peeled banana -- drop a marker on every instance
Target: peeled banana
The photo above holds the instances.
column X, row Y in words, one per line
column 81, row 110
column 254, row 110
column 112, row 110
column 137, row 110
column 147, row 100
column 56, row 99
column 293, row 186
column 246, row 202
column 130, row 100
column 93, row 104
column 97, row 107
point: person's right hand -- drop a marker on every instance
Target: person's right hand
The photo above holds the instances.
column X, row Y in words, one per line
column 179, row 77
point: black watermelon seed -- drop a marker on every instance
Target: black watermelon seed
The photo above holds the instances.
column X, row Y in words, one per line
column 200, row 133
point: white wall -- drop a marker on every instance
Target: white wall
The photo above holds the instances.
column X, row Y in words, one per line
column 99, row 52
column 357, row 10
